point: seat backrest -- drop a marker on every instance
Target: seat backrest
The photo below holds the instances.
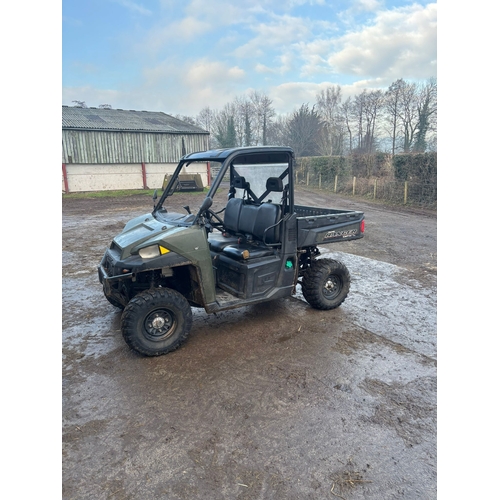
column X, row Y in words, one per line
column 265, row 228
column 248, row 217
column 232, row 214
column 253, row 220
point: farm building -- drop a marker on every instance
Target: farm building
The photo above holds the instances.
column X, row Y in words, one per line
column 105, row 149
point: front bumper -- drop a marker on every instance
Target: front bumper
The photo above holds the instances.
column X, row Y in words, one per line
column 112, row 275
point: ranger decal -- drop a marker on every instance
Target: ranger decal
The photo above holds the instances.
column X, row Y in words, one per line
column 340, row 234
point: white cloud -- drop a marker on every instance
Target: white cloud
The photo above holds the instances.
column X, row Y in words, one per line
column 187, row 88
column 219, row 12
column 263, row 69
column 288, row 96
column 212, row 72
column 397, row 43
column 91, row 96
column 225, row 12
column 400, row 44
column 278, row 33
column 177, row 32
column 133, row 7
column 366, row 5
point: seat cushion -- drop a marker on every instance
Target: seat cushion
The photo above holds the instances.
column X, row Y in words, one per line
column 218, row 241
column 247, row 251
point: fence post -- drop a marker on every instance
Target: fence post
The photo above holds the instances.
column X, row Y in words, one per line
column 335, row 184
column 319, row 183
column 65, row 177
column 307, row 178
column 144, row 182
column 375, row 189
column 406, row 193
column 354, row 185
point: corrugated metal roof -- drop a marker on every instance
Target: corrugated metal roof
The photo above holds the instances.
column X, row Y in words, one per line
column 124, row 120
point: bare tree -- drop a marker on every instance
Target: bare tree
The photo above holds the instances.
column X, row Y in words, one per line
column 408, row 110
column 328, row 104
column 80, row 104
column 427, row 111
column 346, row 110
column 375, row 100
column 392, row 105
column 244, row 116
column 224, row 129
column 263, row 112
column 359, row 112
column 303, row 129
column 408, row 115
column 206, row 119
column 186, row 118
column 240, row 110
column 278, row 131
column 105, row 106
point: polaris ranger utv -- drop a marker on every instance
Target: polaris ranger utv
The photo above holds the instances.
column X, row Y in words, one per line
column 254, row 247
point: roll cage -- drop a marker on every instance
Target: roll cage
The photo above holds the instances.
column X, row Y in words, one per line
column 233, row 160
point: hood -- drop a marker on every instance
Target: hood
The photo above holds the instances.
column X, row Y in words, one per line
column 144, row 230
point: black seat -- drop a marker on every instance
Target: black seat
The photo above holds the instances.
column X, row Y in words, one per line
column 260, row 226
column 250, row 230
column 218, row 241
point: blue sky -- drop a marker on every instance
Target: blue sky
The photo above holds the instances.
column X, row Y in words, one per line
column 180, row 56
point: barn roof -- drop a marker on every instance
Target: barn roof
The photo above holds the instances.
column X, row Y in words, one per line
column 119, row 120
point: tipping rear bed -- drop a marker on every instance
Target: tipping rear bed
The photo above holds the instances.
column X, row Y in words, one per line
column 327, row 225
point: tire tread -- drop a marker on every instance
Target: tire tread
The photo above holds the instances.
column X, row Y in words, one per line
column 312, row 283
column 147, row 299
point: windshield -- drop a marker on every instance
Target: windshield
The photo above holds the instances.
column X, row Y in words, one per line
column 257, row 176
column 187, row 178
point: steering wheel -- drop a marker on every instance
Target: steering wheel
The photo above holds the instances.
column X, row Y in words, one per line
column 210, row 215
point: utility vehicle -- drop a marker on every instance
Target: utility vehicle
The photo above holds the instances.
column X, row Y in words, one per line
column 244, row 246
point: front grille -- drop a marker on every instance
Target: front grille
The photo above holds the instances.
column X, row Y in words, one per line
column 109, row 264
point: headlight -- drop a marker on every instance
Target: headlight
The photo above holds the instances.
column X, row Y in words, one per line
column 153, row 251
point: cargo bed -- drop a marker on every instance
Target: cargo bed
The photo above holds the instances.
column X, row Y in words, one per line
column 327, row 225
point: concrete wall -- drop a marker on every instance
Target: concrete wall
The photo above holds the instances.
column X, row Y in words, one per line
column 108, row 177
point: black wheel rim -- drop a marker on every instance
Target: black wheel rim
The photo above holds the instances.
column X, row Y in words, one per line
column 160, row 324
column 332, row 287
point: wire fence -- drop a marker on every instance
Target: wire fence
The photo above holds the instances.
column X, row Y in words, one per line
column 412, row 192
column 417, row 193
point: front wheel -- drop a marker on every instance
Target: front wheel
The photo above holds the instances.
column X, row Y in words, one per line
column 156, row 321
column 326, row 283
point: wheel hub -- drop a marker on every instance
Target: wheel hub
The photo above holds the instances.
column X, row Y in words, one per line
column 159, row 324
column 329, row 285
column 332, row 287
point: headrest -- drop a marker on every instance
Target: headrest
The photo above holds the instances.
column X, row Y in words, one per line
column 240, row 183
column 274, row 184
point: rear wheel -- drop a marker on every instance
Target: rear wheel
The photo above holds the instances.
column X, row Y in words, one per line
column 326, row 283
column 156, row 321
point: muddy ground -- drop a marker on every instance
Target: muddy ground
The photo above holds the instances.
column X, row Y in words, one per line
column 275, row 401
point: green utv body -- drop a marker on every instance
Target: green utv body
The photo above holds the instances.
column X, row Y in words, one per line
column 249, row 243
